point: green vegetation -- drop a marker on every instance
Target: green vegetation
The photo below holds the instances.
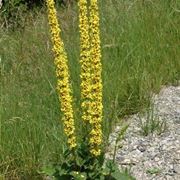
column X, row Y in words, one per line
column 153, row 170
column 140, row 46
column 151, row 123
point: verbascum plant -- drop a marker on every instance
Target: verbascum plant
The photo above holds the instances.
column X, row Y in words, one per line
column 91, row 83
column 86, row 96
column 91, row 68
column 86, row 161
column 96, row 88
column 62, row 73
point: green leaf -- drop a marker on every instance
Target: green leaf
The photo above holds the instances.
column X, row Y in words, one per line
column 80, row 161
column 116, row 173
column 102, row 177
column 47, row 170
column 79, row 175
column 105, row 171
column 153, row 171
column 110, row 165
column 121, row 176
column 61, row 171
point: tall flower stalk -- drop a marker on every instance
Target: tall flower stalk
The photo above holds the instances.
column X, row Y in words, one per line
column 95, row 55
column 75, row 163
column 62, row 73
column 91, row 68
column 85, row 62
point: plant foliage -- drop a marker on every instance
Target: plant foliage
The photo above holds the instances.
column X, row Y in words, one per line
column 14, row 13
column 81, row 165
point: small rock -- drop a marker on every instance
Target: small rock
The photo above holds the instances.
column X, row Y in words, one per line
column 177, row 168
column 140, row 153
column 141, row 148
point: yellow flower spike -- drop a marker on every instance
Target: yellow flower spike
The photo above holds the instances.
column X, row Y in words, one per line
column 63, row 84
column 85, row 60
column 95, row 54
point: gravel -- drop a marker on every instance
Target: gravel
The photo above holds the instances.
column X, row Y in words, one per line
column 157, row 155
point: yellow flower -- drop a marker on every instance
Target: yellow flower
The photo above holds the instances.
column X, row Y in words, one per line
column 95, row 152
column 91, row 68
column 96, row 105
column 85, row 60
column 62, row 73
column 91, row 83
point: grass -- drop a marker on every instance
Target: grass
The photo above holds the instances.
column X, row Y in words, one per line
column 153, row 170
column 140, row 47
column 151, row 123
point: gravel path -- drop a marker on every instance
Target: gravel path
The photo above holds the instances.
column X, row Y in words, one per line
column 152, row 157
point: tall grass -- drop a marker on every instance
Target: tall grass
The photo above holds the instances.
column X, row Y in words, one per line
column 141, row 52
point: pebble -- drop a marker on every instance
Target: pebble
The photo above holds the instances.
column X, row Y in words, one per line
column 152, row 157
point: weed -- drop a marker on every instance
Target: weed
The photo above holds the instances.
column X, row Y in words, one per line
column 120, row 136
column 151, row 123
column 153, row 171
